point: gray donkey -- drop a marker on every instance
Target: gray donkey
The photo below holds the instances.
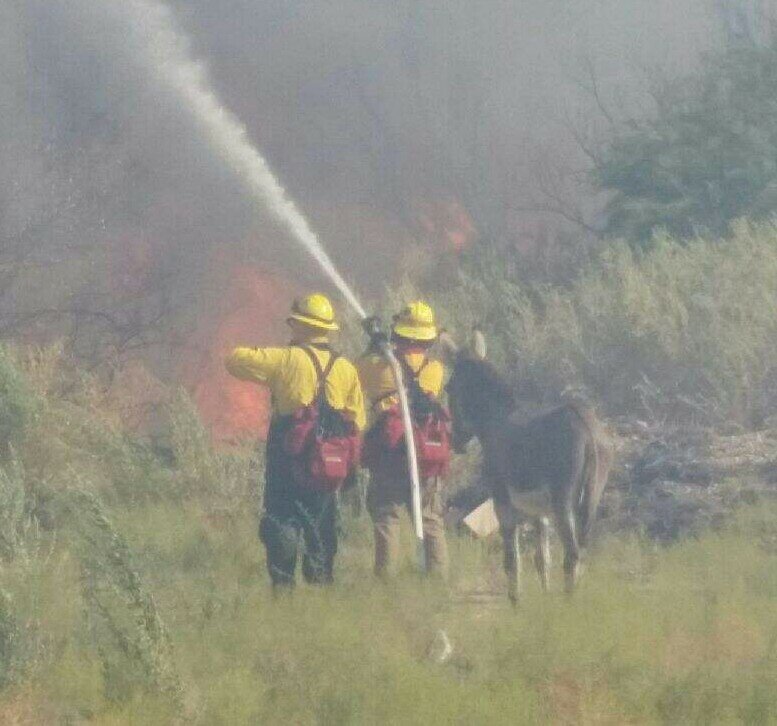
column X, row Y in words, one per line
column 557, row 462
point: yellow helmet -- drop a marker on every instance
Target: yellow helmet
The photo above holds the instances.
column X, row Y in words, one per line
column 416, row 322
column 315, row 310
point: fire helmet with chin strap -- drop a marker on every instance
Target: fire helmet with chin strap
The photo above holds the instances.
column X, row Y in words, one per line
column 314, row 310
column 415, row 322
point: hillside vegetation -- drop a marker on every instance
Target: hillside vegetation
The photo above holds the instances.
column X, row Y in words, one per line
column 132, row 590
column 686, row 331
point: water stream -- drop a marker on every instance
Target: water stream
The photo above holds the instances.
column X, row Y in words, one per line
column 171, row 63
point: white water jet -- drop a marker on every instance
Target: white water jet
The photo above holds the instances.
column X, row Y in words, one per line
column 170, row 62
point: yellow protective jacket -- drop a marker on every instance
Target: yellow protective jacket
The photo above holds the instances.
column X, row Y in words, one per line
column 292, row 378
column 377, row 378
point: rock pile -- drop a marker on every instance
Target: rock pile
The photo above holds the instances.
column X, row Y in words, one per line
column 674, row 481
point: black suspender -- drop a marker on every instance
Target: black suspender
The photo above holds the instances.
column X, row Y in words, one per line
column 331, row 422
column 411, row 376
column 321, row 373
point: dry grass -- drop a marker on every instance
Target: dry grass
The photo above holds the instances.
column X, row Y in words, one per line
column 691, row 641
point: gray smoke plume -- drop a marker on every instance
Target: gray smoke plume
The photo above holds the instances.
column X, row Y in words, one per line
column 367, row 111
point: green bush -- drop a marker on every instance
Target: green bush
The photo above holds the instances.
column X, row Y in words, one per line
column 705, row 157
column 11, row 642
column 227, row 477
column 57, row 420
column 682, row 330
column 14, row 509
column 18, row 403
column 123, row 617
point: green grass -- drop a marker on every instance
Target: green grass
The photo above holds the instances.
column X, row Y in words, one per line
column 686, row 634
column 133, row 591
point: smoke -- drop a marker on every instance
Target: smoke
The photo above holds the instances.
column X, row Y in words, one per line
column 169, row 60
column 406, row 130
column 393, row 123
column 393, row 103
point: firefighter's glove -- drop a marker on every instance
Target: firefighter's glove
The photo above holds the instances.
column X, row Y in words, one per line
column 378, row 337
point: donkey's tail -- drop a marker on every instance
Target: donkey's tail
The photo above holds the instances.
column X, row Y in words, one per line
column 595, row 469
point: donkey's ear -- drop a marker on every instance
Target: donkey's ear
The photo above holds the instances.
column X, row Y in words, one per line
column 448, row 346
column 479, row 348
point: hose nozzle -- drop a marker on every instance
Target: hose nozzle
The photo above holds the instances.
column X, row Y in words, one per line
column 373, row 327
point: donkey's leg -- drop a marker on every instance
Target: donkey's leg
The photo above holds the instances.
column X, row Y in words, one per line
column 505, row 514
column 512, row 553
column 512, row 561
column 542, row 552
column 567, row 530
column 566, row 488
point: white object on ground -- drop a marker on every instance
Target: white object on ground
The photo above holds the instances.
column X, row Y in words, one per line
column 482, row 521
column 440, row 649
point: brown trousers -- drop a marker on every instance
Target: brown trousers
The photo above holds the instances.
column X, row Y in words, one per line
column 388, row 496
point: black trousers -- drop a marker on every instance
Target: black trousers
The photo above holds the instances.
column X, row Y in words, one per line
column 294, row 516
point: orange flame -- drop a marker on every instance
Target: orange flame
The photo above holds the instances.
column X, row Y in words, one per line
column 254, row 308
column 448, row 224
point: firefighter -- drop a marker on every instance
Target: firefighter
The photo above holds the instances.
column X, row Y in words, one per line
column 413, row 333
column 309, row 381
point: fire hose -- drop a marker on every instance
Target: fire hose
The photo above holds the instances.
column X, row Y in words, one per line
column 380, row 341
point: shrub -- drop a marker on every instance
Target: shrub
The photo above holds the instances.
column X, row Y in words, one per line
column 17, row 402
column 11, row 658
column 683, row 330
column 125, row 622
column 226, row 477
column 706, row 156
column 14, row 515
column 69, row 425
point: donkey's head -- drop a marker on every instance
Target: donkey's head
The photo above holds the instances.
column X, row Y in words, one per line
column 477, row 393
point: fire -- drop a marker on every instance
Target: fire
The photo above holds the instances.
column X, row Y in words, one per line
column 253, row 311
column 448, row 223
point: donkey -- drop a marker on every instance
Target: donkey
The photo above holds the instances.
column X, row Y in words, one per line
column 556, row 462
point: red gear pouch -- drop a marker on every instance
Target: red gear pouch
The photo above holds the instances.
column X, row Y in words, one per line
column 329, row 463
column 432, row 441
column 298, row 436
column 433, row 446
